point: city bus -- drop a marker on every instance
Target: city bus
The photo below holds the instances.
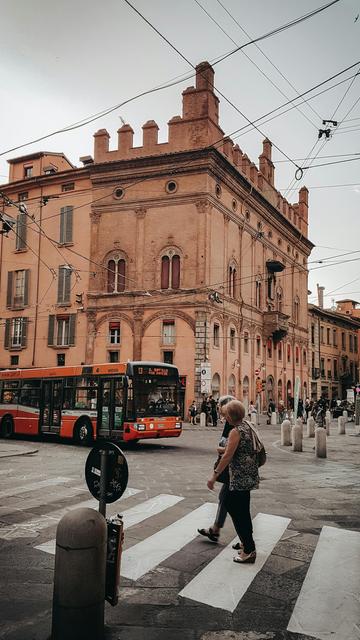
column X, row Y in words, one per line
column 115, row 401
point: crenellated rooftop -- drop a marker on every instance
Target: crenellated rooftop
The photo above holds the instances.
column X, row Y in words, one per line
column 196, row 128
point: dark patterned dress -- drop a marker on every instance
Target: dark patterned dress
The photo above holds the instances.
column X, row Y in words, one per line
column 244, row 472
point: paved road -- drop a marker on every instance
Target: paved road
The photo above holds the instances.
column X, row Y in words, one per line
column 176, row 585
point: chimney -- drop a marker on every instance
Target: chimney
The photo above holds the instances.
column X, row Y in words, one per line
column 320, row 291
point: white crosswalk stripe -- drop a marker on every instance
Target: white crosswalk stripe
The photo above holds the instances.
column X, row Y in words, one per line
column 34, row 486
column 222, row 583
column 131, row 516
column 148, row 553
column 328, row 604
column 31, row 528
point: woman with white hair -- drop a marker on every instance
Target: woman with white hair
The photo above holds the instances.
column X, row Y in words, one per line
column 213, row 532
column 241, row 457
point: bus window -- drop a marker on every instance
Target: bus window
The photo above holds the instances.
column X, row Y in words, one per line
column 119, row 402
column 10, row 392
column 86, row 393
column 69, row 390
column 156, row 396
column 30, row 393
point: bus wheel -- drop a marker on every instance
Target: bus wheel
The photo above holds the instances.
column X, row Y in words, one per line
column 7, row 427
column 83, row 434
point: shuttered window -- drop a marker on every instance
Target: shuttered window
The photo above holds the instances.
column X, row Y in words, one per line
column 61, row 330
column 21, row 229
column 168, row 332
column 18, row 288
column 15, row 333
column 66, row 225
column 64, row 284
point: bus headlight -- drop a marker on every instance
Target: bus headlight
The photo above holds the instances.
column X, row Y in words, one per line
column 178, row 425
column 140, row 427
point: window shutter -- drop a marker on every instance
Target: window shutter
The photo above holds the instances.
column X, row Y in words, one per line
column 111, row 276
column 51, row 330
column 62, row 224
column 69, row 224
column 165, row 271
column 72, row 321
column 121, row 276
column 61, row 276
column 21, row 231
column 24, row 332
column 7, row 333
column 67, row 285
column 26, row 286
column 175, row 272
column 9, row 295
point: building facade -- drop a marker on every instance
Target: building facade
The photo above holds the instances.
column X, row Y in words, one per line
column 333, row 351
column 181, row 251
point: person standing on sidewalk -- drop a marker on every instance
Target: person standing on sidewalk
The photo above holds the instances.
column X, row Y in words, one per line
column 193, row 412
column 214, row 413
column 213, row 532
column 244, row 476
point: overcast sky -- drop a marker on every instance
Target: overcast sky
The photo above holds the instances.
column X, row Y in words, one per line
column 63, row 61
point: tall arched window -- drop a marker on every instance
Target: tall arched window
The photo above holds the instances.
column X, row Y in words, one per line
column 258, row 292
column 279, row 299
column 116, row 275
column 170, row 271
column 232, row 282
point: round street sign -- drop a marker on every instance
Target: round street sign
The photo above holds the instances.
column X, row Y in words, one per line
column 117, row 472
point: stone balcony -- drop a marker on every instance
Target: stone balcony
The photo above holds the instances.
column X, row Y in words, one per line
column 276, row 325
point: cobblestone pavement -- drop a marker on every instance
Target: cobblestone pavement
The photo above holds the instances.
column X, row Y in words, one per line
column 309, row 497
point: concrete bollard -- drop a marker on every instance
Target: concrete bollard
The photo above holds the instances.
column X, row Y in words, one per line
column 285, row 433
column 327, row 425
column 79, row 577
column 202, row 419
column 273, row 420
column 328, row 414
column 345, row 415
column 310, row 427
column 341, row 425
column 297, row 435
column 320, row 442
column 299, row 422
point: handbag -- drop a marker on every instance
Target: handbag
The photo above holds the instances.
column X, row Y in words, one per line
column 258, row 446
column 224, row 476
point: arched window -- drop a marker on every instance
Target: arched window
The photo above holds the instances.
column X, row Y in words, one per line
column 296, row 310
column 170, row 271
column 232, row 385
column 116, row 275
column 215, row 386
column 232, row 282
column 258, row 292
column 279, row 299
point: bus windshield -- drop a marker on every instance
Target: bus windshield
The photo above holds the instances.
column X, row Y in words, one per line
column 156, row 396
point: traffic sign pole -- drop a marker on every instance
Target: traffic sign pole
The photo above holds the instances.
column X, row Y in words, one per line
column 102, row 494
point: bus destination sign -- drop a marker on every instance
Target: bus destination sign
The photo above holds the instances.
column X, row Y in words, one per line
column 151, row 371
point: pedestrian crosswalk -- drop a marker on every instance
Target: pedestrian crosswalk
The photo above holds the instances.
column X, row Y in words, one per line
column 219, row 583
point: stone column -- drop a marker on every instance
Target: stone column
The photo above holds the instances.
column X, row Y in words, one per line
column 90, row 337
column 202, row 344
column 138, row 333
column 140, row 247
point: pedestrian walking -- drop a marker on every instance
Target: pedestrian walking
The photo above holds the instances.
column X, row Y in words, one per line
column 252, row 410
column 244, row 476
column 213, row 409
column 193, row 412
column 271, row 410
column 213, row 532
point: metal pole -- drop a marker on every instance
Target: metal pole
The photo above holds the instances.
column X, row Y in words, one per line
column 102, row 496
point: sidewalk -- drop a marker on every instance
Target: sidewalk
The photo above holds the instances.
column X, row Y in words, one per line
column 9, row 449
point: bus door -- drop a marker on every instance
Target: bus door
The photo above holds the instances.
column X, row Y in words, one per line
column 50, row 414
column 111, row 407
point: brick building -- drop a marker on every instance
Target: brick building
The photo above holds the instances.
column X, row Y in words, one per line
column 182, row 251
column 333, row 349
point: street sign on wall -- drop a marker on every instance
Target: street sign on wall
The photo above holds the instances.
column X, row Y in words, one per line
column 205, row 377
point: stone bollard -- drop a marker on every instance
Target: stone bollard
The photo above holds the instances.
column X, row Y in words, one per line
column 296, row 434
column 253, row 418
column 285, row 433
column 341, row 425
column 327, row 425
column 328, row 414
column 273, row 420
column 79, row 576
column 345, row 415
column 310, row 427
column 300, row 422
column 320, row 442
column 202, row 419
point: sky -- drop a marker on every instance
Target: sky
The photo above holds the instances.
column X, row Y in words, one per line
column 61, row 62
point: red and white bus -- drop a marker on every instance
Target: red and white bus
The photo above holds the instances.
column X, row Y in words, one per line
column 115, row 401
